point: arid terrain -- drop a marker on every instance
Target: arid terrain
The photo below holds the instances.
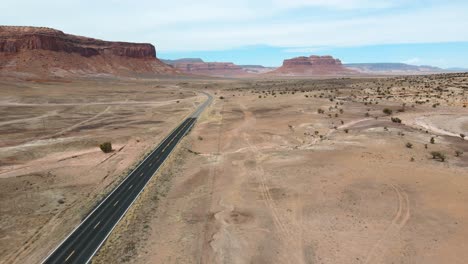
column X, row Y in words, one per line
column 275, row 171
column 52, row 171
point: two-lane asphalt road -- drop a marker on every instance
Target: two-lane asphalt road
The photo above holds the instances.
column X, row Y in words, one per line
column 83, row 242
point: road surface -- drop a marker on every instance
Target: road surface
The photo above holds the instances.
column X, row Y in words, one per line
column 83, row 242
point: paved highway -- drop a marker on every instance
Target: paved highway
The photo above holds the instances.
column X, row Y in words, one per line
column 83, row 242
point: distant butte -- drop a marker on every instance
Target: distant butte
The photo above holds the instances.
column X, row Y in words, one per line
column 197, row 66
column 312, row 66
column 68, row 55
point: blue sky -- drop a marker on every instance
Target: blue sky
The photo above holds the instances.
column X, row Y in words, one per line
column 433, row 32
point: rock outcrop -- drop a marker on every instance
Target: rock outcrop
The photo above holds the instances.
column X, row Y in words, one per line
column 257, row 69
column 66, row 54
column 312, row 66
column 197, row 66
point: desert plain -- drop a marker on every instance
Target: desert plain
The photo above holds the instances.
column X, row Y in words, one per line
column 338, row 170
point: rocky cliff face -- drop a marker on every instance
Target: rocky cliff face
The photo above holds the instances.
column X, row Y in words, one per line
column 20, row 44
column 313, row 65
column 16, row 39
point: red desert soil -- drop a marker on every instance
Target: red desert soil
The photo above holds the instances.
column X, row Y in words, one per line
column 52, row 171
column 265, row 177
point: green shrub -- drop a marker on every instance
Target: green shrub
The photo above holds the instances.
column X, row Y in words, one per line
column 106, row 147
column 387, row 111
column 438, row 156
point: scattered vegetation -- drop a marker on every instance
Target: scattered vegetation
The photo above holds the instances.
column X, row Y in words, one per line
column 387, row 111
column 438, row 156
column 106, row 147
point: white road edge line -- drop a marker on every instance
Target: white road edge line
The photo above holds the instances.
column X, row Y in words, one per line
column 128, row 208
column 192, row 115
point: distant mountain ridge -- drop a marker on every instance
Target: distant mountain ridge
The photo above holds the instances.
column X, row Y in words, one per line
column 182, row 60
column 197, row 66
column 393, row 68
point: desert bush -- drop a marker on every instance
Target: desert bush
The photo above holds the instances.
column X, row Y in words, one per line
column 106, row 147
column 409, row 145
column 320, row 111
column 387, row 111
column 221, row 97
column 458, row 153
column 346, row 130
column 200, row 138
column 438, row 156
column 432, row 140
column 396, row 120
column 462, row 136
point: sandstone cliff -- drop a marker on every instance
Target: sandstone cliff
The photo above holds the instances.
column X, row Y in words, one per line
column 197, row 66
column 312, row 66
column 45, row 51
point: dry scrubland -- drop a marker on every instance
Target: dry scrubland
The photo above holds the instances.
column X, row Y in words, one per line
column 276, row 171
column 52, row 171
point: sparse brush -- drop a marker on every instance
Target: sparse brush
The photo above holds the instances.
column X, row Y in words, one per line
column 438, row 156
column 387, row 111
column 106, row 147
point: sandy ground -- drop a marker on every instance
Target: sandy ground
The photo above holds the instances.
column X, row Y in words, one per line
column 255, row 183
column 265, row 178
column 51, row 169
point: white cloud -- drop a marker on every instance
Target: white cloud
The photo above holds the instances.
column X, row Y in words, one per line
column 185, row 25
column 423, row 26
column 337, row 4
column 413, row 61
column 304, row 49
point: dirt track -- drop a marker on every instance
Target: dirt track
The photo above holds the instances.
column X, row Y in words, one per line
column 263, row 177
column 259, row 186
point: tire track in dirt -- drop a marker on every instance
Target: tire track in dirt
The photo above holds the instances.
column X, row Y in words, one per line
column 22, row 120
column 389, row 236
column 63, row 131
column 288, row 233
